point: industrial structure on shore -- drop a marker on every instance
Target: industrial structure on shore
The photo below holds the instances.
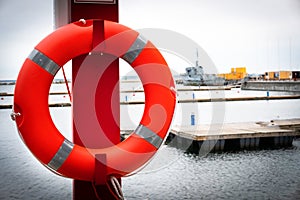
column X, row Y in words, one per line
column 236, row 74
column 195, row 76
column 282, row 75
column 240, row 73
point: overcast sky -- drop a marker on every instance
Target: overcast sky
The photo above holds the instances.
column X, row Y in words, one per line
column 262, row 35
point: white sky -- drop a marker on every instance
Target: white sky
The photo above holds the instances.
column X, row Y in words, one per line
column 262, row 35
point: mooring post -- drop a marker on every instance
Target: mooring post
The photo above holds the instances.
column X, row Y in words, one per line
column 105, row 93
column 193, row 119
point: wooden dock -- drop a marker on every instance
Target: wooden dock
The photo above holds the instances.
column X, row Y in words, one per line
column 203, row 88
column 235, row 136
column 222, row 99
column 8, row 106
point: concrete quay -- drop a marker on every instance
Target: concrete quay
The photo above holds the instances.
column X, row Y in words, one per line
column 287, row 86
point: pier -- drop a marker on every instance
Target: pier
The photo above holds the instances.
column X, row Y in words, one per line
column 9, row 106
column 287, row 86
column 202, row 88
column 199, row 100
column 235, row 136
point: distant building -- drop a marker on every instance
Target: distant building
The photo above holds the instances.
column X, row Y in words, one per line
column 236, row 74
column 278, row 75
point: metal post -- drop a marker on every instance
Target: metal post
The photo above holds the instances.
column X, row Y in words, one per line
column 106, row 95
column 193, row 119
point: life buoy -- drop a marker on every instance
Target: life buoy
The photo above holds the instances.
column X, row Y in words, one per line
column 32, row 114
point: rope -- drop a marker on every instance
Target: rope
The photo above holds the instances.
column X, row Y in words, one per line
column 66, row 81
column 114, row 188
column 117, row 193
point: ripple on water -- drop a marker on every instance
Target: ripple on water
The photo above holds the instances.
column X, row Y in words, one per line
column 266, row 174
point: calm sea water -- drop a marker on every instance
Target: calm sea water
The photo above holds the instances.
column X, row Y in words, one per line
column 173, row 174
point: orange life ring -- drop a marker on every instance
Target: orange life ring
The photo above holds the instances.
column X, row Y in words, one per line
column 32, row 114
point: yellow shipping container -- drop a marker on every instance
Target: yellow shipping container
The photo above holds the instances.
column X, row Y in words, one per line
column 279, row 75
column 273, row 75
column 227, row 77
column 235, row 74
column 285, row 75
column 241, row 70
column 231, row 76
column 239, row 75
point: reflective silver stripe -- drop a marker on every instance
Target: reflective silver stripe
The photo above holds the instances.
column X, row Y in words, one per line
column 135, row 49
column 149, row 135
column 44, row 62
column 61, row 155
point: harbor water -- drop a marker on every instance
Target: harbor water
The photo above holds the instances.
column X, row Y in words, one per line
column 172, row 174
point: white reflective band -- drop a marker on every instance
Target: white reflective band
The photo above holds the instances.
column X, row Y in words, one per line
column 149, row 135
column 61, row 155
column 135, row 49
column 44, row 62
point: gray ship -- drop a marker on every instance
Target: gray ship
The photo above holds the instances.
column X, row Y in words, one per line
column 195, row 76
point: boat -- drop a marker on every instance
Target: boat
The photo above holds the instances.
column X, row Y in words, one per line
column 195, row 76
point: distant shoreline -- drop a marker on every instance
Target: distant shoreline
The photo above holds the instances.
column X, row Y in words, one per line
column 13, row 82
column 9, row 106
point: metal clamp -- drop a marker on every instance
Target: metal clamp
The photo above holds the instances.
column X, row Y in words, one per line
column 13, row 115
column 82, row 21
